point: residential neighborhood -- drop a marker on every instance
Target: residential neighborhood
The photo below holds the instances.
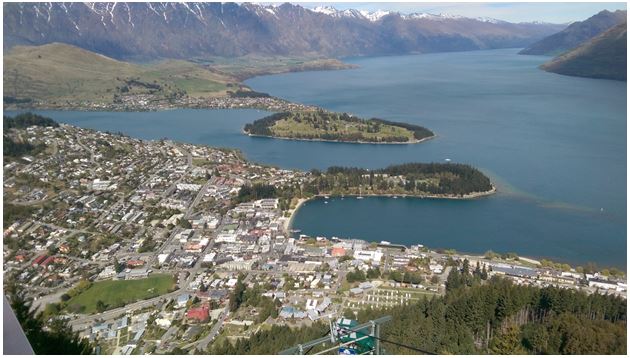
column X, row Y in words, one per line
column 147, row 247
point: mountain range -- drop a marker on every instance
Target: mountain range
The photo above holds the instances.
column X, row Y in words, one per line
column 604, row 56
column 145, row 31
column 576, row 33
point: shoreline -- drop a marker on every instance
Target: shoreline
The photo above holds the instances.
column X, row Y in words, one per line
column 289, row 223
column 415, row 141
column 475, row 195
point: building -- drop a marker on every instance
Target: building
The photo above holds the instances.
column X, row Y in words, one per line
column 368, row 255
column 198, row 314
column 603, row 284
column 338, row 251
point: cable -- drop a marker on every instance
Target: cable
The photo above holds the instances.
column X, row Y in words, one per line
column 391, row 342
column 324, row 335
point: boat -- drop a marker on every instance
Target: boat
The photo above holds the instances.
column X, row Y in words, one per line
column 395, row 197
column 359, row 197
column 327, row 197
column 447, row 159
column 325, row 202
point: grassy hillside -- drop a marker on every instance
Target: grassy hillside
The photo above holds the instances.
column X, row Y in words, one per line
column 63, row 72
column 320, row 125
column 602, row 57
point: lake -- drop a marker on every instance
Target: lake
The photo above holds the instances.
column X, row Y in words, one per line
column 555, row 146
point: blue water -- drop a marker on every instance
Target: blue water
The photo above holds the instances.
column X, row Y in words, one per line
column 554, row 145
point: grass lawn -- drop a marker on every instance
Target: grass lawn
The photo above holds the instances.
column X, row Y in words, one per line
column 119, row 293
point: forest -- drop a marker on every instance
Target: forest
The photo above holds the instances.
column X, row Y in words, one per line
column 323, row 125
column 24, row 120
column 477, row 316
column 404, row 179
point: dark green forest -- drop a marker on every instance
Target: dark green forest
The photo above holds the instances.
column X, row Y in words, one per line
column 411, row 178
column 24, row 120
column 479, row 317
column 11, row 148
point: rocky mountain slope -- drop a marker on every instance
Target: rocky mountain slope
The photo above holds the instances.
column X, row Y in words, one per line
column 187, row 30
column 576, row 33
column 605, row 56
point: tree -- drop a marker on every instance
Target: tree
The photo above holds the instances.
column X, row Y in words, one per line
column 185, row 223
column 101, row 306
column 236, row 297
column 57, row 339
column 508, row 342
column 454, row 280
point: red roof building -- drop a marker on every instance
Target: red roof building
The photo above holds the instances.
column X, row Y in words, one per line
column 39, row 259
column 199, row 314
column 47, row 262
column 135, row 263
column 338, row 251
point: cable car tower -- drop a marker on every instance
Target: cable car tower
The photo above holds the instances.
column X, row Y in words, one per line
column 347, row 337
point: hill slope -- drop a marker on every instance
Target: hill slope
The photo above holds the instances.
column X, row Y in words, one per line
column 59, row 72
column 187, row 30
column 576, row 34
column 605, row 56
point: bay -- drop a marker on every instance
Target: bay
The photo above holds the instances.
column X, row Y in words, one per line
column 555, row 146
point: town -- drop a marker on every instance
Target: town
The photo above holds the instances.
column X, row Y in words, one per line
column 150, row 247
column 141, row 102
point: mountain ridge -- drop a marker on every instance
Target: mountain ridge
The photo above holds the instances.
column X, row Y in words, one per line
column 146, row 31
column 576, row 33
column 604, row 56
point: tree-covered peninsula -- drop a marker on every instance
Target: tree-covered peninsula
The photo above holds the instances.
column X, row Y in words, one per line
column 429, row 180
column 341, row 127
column 413, row 179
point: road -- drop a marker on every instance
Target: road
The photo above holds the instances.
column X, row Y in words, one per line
column 86, row 321
column 198, row 198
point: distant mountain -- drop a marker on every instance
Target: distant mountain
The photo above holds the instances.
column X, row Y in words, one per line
column 187, row 30
column 576, row 33
column 605, row 56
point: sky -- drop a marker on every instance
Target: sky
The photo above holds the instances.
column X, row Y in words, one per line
column 559, row 12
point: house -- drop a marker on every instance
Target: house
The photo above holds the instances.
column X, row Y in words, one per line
column 338, row 252
column 198, row 314
column 39, row 259
column 182, row 300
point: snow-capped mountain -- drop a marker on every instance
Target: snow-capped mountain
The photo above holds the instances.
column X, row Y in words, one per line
column 184, row 30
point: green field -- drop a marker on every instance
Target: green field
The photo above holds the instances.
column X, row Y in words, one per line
column 119, row 293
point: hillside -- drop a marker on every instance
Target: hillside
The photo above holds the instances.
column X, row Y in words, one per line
column 58, row 72
column 150, row 31
column 327, row 126
column 605, row 56
column 576, row 33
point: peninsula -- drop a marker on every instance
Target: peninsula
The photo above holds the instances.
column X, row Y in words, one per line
column 320, row 125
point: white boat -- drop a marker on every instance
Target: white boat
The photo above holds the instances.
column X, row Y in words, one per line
column 395, row 197
column 447, row 159
column 325, row 202
column 359, row 197
column 327, row 197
